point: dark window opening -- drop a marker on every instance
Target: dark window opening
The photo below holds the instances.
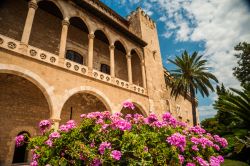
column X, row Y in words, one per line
column 105, row 68
column 74, row 56
column 21, row 153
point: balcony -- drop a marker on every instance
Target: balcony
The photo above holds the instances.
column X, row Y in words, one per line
column 52, row 59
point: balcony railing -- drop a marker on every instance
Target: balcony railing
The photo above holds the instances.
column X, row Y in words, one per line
column 52, row 59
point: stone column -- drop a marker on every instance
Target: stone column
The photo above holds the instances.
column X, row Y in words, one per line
column 129, row 69
column 112, row 60
column 91, row 51
column 55, row 123
column 143, row 74
column 28, row 23
column 63, row 41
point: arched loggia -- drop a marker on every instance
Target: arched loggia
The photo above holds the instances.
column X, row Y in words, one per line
column 136, row 69
column 101, row 52
column 46, row 28
column 77, row 41
column 121, row 70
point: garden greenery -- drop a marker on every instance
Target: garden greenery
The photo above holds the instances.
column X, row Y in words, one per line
column 105, row 139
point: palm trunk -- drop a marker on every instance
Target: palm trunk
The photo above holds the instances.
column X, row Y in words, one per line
column 193, row 102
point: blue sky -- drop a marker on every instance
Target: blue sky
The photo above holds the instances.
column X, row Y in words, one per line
column 211, row 27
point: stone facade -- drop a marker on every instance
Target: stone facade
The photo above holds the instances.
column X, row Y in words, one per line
column 120, row 60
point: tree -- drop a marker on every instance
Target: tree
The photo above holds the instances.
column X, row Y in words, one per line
column 238, row 104
column 242, row 71
column 190, row 76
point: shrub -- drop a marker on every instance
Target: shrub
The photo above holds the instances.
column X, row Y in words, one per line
column 105, row 139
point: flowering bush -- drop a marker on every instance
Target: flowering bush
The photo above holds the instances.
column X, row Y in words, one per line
column 105, row 139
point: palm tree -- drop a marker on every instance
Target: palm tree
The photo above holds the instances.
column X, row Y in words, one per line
column 190, row 76
column 236, row 103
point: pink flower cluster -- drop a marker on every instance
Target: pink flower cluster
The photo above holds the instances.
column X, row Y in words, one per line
column 44, row 124
column 128, row 104
column 103, row 146
column 116, row 154
column 35, row 157
column 68, row 126
column 203, row 141
column 221, row 141
column 52, row 137
column 197, row 130
column 20, row 139
column 216, row 161
column 177, row 140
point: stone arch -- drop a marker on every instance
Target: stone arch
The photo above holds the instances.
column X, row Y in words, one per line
column 11, row 143
column 139, row 106
column 120, row 53
column 101, row 51
column 103, row 30
column 124, row 44
column 136, row 68
column 84, row 20
column 90, row 90
column 46, row 27
column 58, row 5
column 138, row 53
column 45, row 88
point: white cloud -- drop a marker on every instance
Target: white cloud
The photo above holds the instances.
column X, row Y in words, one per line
column 219, row 24
column 206, row 111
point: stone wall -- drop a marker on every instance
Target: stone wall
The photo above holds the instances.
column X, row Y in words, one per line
column 22, row 105
column 12, row 17
column 46, row 31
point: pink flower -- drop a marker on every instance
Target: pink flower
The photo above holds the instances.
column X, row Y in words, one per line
column 49, row 142
column 96, row 162
column 128, row 104
column 195, row 148
column 83, row 115
column 177, row 140
column 122, row 124
column 44, row 124
column 35, row 157
column 221, row 141
column 166, row 116
column 216, row 161
column 181, row 159
column 54, row 135
column 103, row 146
column 34, row 163
column 197, row 130
column 115, row 154
column 20, row 139
column 201, row 161
column 151, row 118
column 69, row 125
column 190, row 164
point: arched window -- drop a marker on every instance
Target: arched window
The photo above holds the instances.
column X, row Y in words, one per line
column 21, row 153
column 74, row 56
column 105, row 68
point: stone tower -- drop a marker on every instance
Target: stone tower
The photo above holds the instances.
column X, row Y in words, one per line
column 142, row 25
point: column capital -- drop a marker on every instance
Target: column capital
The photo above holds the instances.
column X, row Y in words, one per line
column 91, row 36
column 128, row 56
column 33, row 4
column 112, row 47
column 65, row 22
